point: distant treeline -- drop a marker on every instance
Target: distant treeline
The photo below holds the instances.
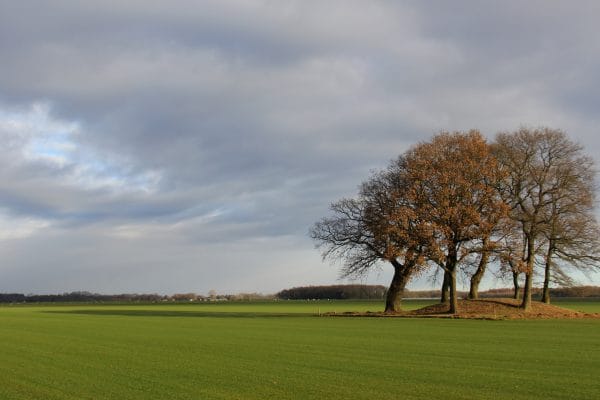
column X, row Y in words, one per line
column 77, row 297
column 87, row 297
column 334, row 292
column 340, row 292
column 574, row 291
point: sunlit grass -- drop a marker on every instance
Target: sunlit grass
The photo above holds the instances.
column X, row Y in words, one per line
column 283, row 350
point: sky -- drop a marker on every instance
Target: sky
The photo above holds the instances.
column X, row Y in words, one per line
column 187, row 146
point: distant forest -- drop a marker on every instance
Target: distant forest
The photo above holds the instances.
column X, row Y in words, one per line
column 87, row 297
column 334, row 292
column 331, row 292
column 378, row 292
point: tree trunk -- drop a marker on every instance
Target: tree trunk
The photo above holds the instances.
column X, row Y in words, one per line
column 451, row 261
column 478, row 275
column 546, row 292
column 393, row 301
column 453, row 298
column 446, row 288
column 526, row 304
column 517, row 292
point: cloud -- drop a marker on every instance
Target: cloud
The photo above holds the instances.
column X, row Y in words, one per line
column 139, row 126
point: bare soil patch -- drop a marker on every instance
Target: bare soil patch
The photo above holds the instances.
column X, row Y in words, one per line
column 487, row 309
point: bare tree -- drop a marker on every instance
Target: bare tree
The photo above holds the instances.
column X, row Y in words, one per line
column 573, row 240
column 510, row 254
column 377, row 226
column 546, row 181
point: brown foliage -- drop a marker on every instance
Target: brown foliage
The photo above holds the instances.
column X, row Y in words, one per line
column 379, row 225
column 527, row 196
column 454, row 180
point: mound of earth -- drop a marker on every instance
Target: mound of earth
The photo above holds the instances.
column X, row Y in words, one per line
column 490, row 309
column 499, row 309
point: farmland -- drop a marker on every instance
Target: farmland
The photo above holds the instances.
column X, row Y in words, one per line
column 282, row 350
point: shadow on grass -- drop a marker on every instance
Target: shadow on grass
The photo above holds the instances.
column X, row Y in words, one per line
column 189, row 314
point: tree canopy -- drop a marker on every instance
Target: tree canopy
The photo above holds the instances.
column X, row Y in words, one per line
column 526, row 197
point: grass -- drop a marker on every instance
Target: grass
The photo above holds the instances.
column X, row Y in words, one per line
column 282, row 351
column 583, row 305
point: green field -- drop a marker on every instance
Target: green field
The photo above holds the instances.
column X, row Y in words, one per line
column 283, row 351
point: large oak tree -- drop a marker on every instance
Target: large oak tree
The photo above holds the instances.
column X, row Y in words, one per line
column 453, row 187
column 380, row 225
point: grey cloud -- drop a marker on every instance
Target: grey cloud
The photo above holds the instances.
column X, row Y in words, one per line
column 228, row 122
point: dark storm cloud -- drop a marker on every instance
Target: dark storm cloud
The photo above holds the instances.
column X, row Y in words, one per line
column 212, row 125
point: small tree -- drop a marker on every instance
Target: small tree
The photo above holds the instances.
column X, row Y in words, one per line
column 573, row 240
column 510, row 254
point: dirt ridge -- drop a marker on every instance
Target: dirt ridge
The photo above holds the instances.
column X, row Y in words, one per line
column 489, row 308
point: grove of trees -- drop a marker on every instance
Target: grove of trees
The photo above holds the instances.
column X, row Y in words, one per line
column 523, row 203
column 333, row 292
